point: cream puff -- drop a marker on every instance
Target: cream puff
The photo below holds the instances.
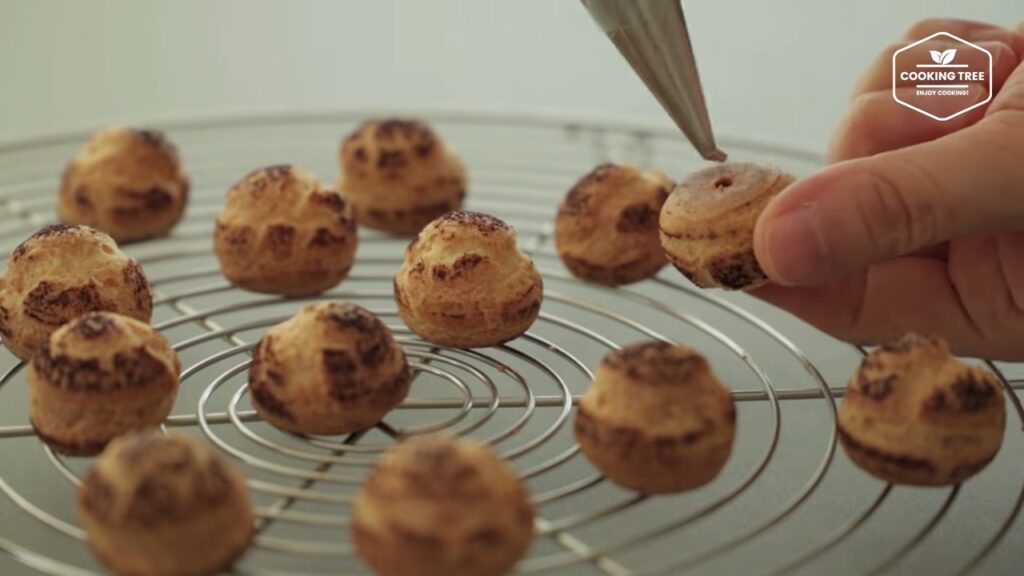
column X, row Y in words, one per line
column 438, row 506
column 100, row 376
column 465, row 283
column 400, row 175
column 127, row 182
column 282, row 232
column 332, row 368
column 155, row 505
column 707, row 223
column 60, row 273
column 606, row 230
column 915, row 414
column 656, row 419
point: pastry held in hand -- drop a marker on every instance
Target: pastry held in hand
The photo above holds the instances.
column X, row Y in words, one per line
column 282, row 232
column 126, row 182
column 915, row 414
column 155, row 505
column 399, row 175
column 60, row 273
column 656, row 419
column 707, row 223
column 100, row 376
column 465, row 283
column 332, row 368
column 606, row 230
column 440, row 506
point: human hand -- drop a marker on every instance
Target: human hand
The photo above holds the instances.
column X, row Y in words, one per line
column 917, row 224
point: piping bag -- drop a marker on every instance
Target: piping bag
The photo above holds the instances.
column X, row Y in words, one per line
column 652, row 36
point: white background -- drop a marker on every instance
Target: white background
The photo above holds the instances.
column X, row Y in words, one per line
column 774, row 69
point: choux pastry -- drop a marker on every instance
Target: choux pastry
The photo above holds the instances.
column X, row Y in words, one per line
column 606, row 230
column 914, row 414
column 465, row 283
column 155, row 505
column 707, row 224
column 100, row 376
column 60, row 273
column 332, row 368
column 656, row 419
column 439, row 506
column 399, row 175
column 127, row 182
column 282, row 232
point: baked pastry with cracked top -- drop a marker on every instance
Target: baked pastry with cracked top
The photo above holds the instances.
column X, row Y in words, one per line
column 127, row 182
column 282, row 232
column 399, row 175
column 62, row 272
column 707, row 223
column 100, row 376
column 332, row 368
column 155, row 505
column 656, row 419
column 437, row 506
column 465, row 283
column 606, row 230
column 915, row 414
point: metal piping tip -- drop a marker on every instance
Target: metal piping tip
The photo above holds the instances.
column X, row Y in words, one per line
column 714, row 154
column 652, row 36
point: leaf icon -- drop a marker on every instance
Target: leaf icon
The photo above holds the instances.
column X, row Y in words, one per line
column 948, row 55
column 936, row 56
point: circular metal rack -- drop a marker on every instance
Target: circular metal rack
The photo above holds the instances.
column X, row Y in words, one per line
column 787, row 502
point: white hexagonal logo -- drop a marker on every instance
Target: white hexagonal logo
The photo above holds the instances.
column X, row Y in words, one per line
column 942, row 76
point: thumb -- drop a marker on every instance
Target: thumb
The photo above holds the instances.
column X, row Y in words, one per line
column 858, row 212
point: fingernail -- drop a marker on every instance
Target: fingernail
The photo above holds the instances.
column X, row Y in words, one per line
column 795, row 247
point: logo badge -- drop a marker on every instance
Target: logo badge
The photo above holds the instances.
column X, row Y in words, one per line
column 942, row 84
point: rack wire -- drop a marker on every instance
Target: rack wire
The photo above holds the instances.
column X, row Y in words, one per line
column 787, row 502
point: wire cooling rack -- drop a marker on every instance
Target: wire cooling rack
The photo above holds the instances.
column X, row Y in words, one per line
column 787, row 502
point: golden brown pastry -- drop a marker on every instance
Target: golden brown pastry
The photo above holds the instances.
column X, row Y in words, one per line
column 400, row 175
column 465, row 283
column 440, row 506
column 282, row 232
column 606, row 230
column 100, row 376
column 126, row 182
column 60, row 273
column 707, row 223
column 656, row 419
column 914, row 414
column 332, row 368
column 156, row 505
